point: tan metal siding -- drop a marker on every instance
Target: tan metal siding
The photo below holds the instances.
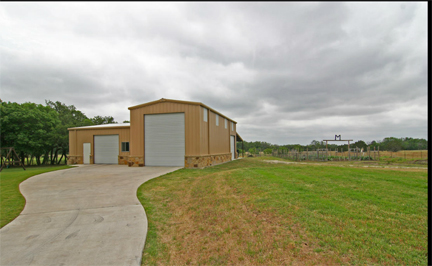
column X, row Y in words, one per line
column 219, row 135
column 86, row 136
column 204, row 133
column 192, row 129
column 72, row 143
column 176, row 101
column 194, row 138
column 233, row 133
column 136, row 133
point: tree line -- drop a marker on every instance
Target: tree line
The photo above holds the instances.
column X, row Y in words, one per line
column 38, row 133
column 387, row 144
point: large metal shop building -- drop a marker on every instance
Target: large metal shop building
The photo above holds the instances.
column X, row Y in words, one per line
column 160, row 133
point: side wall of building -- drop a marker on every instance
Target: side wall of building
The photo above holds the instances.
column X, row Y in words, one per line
column 204, row 132
column 77, row 137
column 233, row 132
column 219, row 135
column 214, row 141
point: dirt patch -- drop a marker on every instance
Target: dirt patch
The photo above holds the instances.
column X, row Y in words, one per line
column 421, row 162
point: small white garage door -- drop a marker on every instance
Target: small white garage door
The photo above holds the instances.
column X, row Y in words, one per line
column 106, row 149
column 164, row 139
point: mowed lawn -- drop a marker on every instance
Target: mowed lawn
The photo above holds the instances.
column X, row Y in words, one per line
column 12, row 201
column 249, row 212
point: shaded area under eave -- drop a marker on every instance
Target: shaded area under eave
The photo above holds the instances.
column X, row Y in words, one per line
column 238, row 138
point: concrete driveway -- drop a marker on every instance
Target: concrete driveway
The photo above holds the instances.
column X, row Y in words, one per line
column 88, row 215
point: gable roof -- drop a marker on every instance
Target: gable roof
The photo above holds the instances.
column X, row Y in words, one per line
column 181, row 102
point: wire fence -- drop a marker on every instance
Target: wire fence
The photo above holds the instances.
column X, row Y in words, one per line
column 339, row 155
column 327, row 155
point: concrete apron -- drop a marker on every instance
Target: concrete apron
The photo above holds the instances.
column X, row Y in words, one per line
column 88, row 215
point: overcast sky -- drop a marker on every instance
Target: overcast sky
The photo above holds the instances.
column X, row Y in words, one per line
column 286, row 72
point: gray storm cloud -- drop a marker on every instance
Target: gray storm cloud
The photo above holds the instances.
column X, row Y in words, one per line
column 286, row 72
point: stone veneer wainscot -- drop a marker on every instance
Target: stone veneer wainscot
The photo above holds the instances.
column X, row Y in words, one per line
column 206, row 160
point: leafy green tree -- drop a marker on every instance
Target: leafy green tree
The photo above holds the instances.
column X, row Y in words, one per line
column 360, row 144
column 29, row 128
column 414, row 144
column 268, row 151
column 100, row 120
column 69, row 117
column 387, row 144
column 69, row 114
column 297, row 147
column 252, row 150
column 392, row 144
column 374, row 145
column 315, row 144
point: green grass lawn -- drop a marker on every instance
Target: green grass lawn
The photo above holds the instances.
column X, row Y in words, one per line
column 12, row 202
column 250, row 212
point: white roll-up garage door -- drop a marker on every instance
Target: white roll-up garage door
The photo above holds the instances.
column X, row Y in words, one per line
column 106, row 149
column 164, row 139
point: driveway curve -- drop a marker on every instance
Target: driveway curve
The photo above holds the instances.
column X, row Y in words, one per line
column 88, row 215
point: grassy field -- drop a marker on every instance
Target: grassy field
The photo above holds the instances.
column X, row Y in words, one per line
column 12, row 202
column 251, row 212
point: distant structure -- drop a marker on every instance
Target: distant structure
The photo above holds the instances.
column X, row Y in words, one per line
column 338, row 138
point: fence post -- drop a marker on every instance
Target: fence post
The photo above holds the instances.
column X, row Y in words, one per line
column 349, row 157
column 368, row 153
column 378, row 153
